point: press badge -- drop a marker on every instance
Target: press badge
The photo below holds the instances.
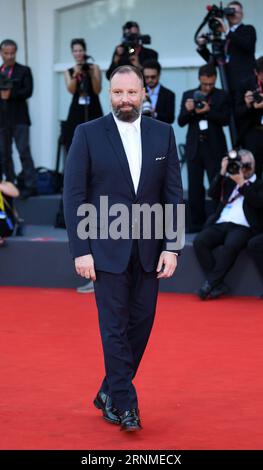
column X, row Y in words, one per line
column 203, row 125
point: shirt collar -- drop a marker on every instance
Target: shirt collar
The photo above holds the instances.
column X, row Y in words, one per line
column 155, row 90
column 122, row 126
column 252, row 178
column 233, row 28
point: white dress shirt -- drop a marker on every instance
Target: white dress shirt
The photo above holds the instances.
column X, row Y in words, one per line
column 233, row 211
column 130, row 133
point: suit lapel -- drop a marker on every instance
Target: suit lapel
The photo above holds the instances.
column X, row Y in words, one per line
column 146, row 151
column 116, row 142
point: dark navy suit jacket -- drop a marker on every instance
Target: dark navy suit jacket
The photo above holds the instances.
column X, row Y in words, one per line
column 97, row 166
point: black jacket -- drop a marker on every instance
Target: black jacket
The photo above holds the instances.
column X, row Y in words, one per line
column 165, row 106
column 221, row 189
column 16, row 107
column 144, row 54
column 249, row 118
column 241, row 52
column 217, row 117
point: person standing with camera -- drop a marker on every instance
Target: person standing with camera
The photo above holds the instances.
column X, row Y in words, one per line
column 205, row 110
column 239, row 47
column 131, row 51
column 83, row 81
column 237, row 218
column 249, row 111
column 16, row 86
column 161, row 99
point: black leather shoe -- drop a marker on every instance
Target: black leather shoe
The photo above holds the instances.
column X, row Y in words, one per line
column 130, row 421
column 204, row 291
column 103, row 402
column 218, row 291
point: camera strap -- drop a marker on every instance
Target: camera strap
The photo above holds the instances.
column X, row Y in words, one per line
column 7, row 71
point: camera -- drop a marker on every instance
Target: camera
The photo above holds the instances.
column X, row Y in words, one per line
column 198, row 98
column 132, row 40
column 257, row 98
column 218, row 12
column 147, row 107
column 234, row 163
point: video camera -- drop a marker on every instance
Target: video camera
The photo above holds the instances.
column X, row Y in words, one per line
column 211, row 19
column 132, row 40
column 218, row 12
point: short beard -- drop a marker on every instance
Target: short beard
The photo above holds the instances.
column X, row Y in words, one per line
column 127, row 116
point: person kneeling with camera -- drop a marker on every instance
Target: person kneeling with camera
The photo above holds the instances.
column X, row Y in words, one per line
column 236, row 219
column 8, row 215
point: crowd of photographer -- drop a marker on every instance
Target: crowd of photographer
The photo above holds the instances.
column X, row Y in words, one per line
column 229, row 49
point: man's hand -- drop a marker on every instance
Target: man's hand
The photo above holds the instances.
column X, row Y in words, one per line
column 249, row 98
column 201, row 40
column 204, row 110
column 134, row 60
column 5, row 94
column 190, row 105
column 224, row 164
column 166, row 265
column 118, row 53
column 85, row 267
column 239, row 178
column 224, row 28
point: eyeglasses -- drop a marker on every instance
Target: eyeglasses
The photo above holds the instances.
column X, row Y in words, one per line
column 152, row 77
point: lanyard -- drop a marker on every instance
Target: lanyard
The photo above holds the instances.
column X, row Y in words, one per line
column 260, row 87
column 9, row 72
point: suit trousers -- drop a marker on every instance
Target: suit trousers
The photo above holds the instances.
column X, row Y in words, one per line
column 217, row 248
column 20, row 134
column 255, row 248
column 203, row 161
column 126, row 305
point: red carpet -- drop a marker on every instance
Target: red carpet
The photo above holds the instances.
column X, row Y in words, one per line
column 200, row 384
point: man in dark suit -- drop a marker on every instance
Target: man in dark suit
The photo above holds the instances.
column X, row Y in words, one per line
column 162, row 100
column 237, row 218
column 130, row 160
column 124, row 56
column 205, row 114
column 239, row 49
column 249, row 112
column 14, row 117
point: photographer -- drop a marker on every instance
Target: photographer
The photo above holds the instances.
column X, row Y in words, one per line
column 239, row 47
column 83, row 81
column 131, row 51
column 205, row 110
column 16, row 85
column 8, row 192
column 237, row 218
column 162, row 100
column 249, row 111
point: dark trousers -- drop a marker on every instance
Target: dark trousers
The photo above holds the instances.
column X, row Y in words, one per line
column 253, row 141
column 20, row 134
column 217, row 248
column 126, row 304
column 255, row 248
column 203, row 161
